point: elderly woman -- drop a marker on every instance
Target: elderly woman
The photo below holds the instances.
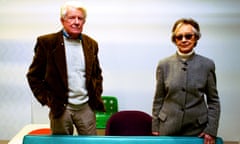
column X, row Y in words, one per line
column 186, row 101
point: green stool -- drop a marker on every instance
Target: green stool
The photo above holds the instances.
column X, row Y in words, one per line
column 111, row 106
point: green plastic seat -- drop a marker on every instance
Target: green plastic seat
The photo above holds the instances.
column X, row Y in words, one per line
column 111, row 106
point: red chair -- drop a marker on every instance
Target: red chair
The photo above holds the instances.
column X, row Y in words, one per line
column 41, row 131
column 129, row 123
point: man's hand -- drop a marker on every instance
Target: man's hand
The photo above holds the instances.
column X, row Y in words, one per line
column 155, row 133
column 208, row 139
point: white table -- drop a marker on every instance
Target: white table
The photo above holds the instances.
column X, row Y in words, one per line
column 18, row 138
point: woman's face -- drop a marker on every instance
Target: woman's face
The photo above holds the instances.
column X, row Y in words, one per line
column 185, row 38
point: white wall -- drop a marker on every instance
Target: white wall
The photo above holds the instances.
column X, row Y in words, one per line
column 133, row 36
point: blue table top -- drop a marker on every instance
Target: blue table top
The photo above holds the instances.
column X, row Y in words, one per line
column 59, row 139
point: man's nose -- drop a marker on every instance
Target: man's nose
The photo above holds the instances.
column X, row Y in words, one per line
column 76, row 20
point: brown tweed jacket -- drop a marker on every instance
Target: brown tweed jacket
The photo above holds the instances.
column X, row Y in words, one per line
column 47, row 75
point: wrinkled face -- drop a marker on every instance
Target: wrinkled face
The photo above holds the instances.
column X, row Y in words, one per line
column 73, row 22
column 185, row 38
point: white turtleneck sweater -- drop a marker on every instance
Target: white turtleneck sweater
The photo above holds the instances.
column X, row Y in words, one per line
column 185, row 56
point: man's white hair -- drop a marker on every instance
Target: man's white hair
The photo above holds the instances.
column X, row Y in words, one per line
column 74, row 4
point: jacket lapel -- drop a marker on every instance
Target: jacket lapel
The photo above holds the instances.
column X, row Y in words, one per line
column 88, row 54
column 60, row 58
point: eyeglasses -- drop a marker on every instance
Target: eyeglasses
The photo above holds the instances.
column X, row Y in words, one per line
column 186, row 36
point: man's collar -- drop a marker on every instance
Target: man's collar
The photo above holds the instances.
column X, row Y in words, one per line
column 65, row 34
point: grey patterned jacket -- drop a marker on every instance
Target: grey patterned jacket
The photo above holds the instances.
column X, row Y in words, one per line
column 186, row 100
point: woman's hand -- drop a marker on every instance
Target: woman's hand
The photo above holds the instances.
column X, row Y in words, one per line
column 208, row 139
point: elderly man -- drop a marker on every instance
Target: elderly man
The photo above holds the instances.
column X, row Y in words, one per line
column 65, row 74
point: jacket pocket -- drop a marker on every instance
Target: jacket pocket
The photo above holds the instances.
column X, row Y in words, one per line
column 202, row 119
column 162, row 116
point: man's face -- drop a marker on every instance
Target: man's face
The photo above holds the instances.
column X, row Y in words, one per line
column 185, row 38
column 73, row 22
